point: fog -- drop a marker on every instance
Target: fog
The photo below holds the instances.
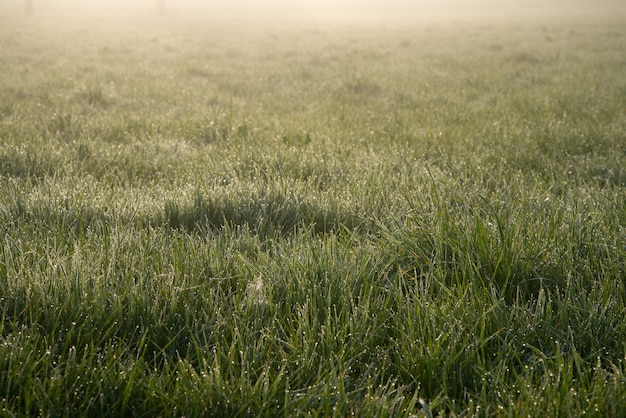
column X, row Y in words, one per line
column 311, row 9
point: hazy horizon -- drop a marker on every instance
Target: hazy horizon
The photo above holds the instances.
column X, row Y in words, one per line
column 320, row 9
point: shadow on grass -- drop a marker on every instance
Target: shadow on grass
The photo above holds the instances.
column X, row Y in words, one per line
column 25, row 165
column 264, row 212
column 74, row 221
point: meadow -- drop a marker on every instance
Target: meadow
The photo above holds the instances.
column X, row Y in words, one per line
column 214, row 218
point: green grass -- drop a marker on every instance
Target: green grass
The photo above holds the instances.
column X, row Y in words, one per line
column 211, row 220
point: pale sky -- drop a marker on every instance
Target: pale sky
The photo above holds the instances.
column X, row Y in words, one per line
column 318, row 8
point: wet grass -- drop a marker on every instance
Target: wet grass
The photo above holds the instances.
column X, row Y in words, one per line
column 325, row 220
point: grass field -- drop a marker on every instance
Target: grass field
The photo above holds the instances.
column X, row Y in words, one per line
column 313, row 220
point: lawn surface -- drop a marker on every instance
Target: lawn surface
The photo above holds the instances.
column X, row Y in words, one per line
column 312, row 220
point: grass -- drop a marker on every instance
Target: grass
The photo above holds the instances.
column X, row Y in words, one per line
column 318, row 221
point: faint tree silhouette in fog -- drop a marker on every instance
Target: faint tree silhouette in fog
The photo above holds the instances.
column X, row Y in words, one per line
column 29, row 7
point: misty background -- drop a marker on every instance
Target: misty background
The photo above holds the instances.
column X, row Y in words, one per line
column 337, row 9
